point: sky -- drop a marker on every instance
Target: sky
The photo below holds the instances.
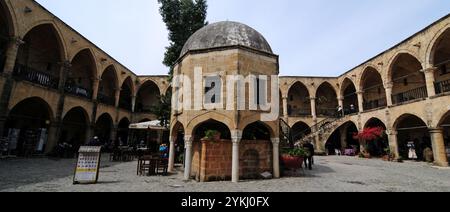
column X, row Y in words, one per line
column 312, row 38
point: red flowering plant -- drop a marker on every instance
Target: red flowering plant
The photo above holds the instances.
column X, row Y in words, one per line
column 368, row 135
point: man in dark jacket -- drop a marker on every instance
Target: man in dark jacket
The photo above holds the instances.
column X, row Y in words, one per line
column 309, row 159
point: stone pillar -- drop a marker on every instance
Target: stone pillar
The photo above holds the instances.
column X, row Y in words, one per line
column 360, row 101
column 285, row 108
column 439, row 151
column 117, row 97
column 393, row 144
column 276, row 157
column 133, row 103
column 113, row 132
column 341, row 104
column 343, row 132
column 429, row 78
column 11, row 55
column 171, row 153
column 236, row 139
column 188, row 157
column 89, row 133
column 52, row 139
column 313, row 108
column 388, row 87
column 95, row 85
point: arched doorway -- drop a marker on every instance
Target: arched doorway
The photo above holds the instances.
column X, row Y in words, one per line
column 74, row 128
column 123, row 130
column 5, row 34
column 39, row 58
column 379, row 146
column 299, row 103
column 343, row 138
column 411, row 128
column 83, row 71
column 326, row 100
column 27, row 127
column 445, row 124
column 300, row 130
column 103, row 128
column 211, row 160
column 147, row 97
column 350, row 97
column 373, row 89
column 178, row 134
column 125, row 94
column 108, row 86
column 408, row 80
column 255, row 151
column 441, row 60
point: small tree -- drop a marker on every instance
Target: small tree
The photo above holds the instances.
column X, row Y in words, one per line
column 162, row 109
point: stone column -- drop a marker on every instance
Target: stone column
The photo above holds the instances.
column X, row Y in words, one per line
column 343, row 132
column 52, row 139
column 313, row 108
column 188, row 157
column 236, row 139
column 276, row 157
column 113, row 132
column 133, row 103
column 429, row 78
column 171, row 153
column 341, row 104
column 393, row 144
column 11, row 55
column 89, row 133
column 360, row 101
column 95, row 85
column 439, row 151
column 388, row 87
column 285, row 108
column 117, row 97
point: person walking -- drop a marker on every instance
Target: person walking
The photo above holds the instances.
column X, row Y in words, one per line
column 412, row 155
column 310, row 157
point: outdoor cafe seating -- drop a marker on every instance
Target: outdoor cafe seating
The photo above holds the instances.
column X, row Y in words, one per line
column 152, row 165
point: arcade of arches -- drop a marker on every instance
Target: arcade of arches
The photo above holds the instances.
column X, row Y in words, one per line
column 56, row 86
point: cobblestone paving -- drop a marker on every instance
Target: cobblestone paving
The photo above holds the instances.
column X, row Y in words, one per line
column 330, row 174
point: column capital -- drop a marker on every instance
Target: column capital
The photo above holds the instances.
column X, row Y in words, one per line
column 275, row 141
column 429, row 70
column 388, row 85
column 284, row 98
column 236, row 135
column 17, row 41
column 359, row 92
column 392, row 132
column 312, row 98
column 436, row 130
column 65, row 64
column 340, row 98
column 188, row 139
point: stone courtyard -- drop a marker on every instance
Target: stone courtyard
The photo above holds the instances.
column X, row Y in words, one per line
column 331, row 174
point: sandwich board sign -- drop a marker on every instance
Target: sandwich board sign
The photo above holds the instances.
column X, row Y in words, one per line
column 88, row 165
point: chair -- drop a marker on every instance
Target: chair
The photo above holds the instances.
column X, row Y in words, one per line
column 162, row 167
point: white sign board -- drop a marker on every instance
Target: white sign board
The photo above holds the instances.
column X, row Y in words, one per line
column 88, row 165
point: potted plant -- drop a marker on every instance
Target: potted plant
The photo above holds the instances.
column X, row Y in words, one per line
column 294, row 158
column 212, row 135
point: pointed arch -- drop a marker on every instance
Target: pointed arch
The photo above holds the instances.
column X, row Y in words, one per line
column 299, row 102
column 326, row 100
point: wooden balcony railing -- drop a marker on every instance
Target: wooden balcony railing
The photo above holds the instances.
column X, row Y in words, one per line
column 418, row 93
column 29, row 74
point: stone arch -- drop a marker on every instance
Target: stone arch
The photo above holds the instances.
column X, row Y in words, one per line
column 299, row 130
column 40, row 58
column 299, row 103
column 27, row 124
column 103, row 127
column 412, row 128
column 199, row 130
column 74, row 127
column 257, row 131
column 350, row 97
column 177, row 127
column 326, row 100
column 207, row 116
column 126, row 94
column 342, row 138
column 407, row 79
column 372, row 86
column 6, row 32
column 434, row 43
column 59, row 38
column 147, row 96
column 149, row 81
column 373, row 122
column 440, row 59
column 108, row 85
column 83, row 71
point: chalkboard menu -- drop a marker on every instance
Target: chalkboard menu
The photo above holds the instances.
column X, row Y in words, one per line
column 88, row 165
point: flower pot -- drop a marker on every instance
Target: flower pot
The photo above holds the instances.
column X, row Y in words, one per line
column 292, row 162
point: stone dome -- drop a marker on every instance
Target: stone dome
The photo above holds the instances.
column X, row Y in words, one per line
column 226, row 33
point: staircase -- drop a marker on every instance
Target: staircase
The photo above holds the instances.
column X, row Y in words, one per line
column 322, row 130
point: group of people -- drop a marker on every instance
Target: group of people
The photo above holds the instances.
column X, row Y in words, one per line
column 340, row 111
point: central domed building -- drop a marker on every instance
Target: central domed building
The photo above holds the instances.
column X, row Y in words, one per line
column 245, row 146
